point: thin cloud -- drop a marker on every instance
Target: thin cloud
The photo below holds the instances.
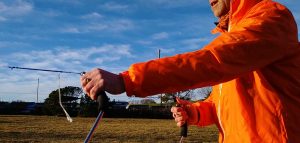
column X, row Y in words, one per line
column 112, row 6
column 121, row 25
column 144, row 42
column 69, row 2
column 110, row 26
column 95, row 27
column 13, row 44
column 167, row 50
column 2, row 64
column 94, row 15
column 2, row 19
column 159, row 36
column 63, row 57
column 70, row 30
column 194, row 43
column 173, row 3
column 17, row 8
column 51, row 13
column 106, row 59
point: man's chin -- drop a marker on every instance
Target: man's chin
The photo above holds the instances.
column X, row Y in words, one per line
column 216, row 14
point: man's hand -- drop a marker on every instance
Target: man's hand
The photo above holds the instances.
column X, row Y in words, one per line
column 179, row 115
column 187, row 113
column 97, row 80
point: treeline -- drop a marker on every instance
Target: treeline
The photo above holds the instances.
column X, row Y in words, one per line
column 114, row 110
column 20, row 108
column 78, row 104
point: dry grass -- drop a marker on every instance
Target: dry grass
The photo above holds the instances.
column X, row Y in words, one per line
column 111, row 130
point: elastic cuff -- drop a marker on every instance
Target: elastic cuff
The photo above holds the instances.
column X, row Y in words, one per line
column 204, row 113
column 127, row 82
column 196, row 113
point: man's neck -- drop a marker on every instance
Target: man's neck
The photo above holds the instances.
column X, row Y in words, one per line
column 223, row 22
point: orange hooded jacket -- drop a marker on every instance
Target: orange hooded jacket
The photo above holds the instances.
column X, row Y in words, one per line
column 254, row 69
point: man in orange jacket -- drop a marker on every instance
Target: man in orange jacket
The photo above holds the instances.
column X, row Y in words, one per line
column 253, row 66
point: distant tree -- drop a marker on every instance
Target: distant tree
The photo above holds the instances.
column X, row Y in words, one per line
column 169, row 97
column 69, row 97
column 88, row 107
column 195, row 94
column 203, row 93
column 148, row 101
column 17, row 106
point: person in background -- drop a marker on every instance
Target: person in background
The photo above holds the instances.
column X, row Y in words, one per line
column 253, row 66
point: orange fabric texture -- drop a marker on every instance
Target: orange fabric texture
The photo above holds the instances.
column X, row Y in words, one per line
column 254, row 69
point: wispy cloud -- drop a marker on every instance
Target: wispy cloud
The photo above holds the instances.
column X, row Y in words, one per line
column 112, row 6
column 51, row 13
column 61, row 58
column 69, row 30
column 167, row 51
column 64, row 57
column 94, row 15
column 2, row 19
column 116, row 25
column 13, row 44
column 194, row 43
column 173, row 3
column 2, row 63
column 69, row 2
column 15, row 9
column 159, row 36
column 144, row 42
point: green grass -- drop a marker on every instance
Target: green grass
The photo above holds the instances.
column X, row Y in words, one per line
column 110, row 130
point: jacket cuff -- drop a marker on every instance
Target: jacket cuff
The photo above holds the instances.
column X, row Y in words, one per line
column 127, row 83
column 205, row 114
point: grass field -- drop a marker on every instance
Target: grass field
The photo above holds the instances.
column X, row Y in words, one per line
column 111, row 130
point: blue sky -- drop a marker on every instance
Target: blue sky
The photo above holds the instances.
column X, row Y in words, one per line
column 77, row 35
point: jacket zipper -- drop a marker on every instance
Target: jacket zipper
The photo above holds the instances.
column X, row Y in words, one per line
column 219, row 112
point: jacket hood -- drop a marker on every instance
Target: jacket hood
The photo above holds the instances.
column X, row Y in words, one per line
column 239, row 8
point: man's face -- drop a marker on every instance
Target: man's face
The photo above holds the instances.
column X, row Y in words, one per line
column 219, row 7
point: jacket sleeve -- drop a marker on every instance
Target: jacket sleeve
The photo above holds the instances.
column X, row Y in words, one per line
column 207, row 111
column 265, row 35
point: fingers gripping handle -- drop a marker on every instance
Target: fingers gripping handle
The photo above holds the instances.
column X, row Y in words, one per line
column 184, row 127
column 102, row 98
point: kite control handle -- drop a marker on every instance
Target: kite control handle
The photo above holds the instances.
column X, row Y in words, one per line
column 102, row 100
column 184, row 127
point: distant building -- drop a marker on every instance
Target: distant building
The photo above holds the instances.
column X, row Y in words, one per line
column 118, row 105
